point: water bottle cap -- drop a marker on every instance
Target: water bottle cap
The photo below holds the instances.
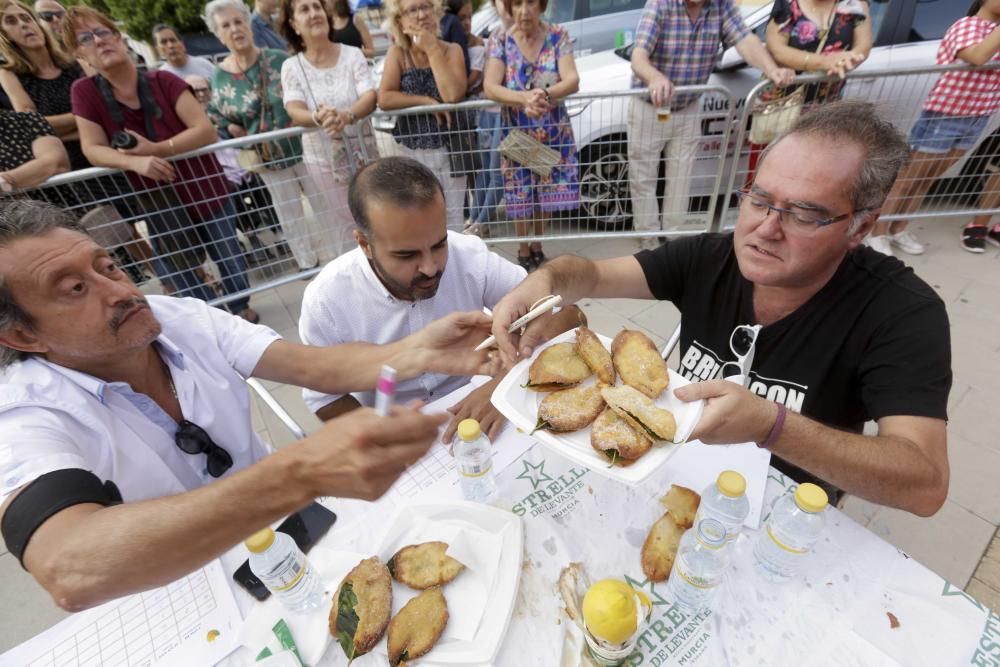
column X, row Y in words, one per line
column 260, row 541
column 811, row 498
column 731, row 483
column 468, row 429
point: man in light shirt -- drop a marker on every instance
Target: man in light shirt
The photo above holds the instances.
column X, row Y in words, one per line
column 127, row 453
column 265, row 36
column 176, row 60
column 408, row 270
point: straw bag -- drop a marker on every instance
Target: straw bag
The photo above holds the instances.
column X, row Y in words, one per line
column 775, row 116
column 522, row 148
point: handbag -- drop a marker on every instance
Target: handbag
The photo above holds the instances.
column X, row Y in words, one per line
column 522, row 148
column 773, row 117
column 265, row 156
column 463, row 149
column 346, row 157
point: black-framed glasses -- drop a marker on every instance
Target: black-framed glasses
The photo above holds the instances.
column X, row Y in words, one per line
column 49, row 17
column 87, row 38
column 799, row 220
column 193, row 439
column 743, row 344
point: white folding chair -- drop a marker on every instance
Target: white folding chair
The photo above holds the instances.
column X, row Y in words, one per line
column 272, row 403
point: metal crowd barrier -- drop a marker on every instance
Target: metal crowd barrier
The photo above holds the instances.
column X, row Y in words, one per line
column 968, row 187
column 278, row 220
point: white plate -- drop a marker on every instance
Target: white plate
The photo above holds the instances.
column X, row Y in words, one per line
column 520, row 406
column 498, row 604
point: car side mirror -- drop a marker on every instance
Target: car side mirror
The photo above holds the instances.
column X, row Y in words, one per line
column 625, row 52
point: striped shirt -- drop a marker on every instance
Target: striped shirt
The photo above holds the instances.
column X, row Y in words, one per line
column 965, row 93
column 685, row 50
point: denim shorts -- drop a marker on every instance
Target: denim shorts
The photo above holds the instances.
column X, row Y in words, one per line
column 938, row 133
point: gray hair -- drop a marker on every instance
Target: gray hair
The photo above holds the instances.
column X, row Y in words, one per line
column 20, row 219
column 215, row 6
column 886, row 151
column 401, row 181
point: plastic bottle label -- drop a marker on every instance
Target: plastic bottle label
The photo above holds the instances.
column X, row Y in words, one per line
column 288, row 577
column 783, row 546
column 475, row 469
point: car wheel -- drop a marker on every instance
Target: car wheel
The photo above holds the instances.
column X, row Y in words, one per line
column 604, row 190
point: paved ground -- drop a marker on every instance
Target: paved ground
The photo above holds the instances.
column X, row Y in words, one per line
column 953, row 543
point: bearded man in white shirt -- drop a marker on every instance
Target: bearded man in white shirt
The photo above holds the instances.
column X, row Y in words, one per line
column 127, row 454
column 408, row 270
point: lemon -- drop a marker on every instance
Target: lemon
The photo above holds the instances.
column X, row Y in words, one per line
column 609, row 610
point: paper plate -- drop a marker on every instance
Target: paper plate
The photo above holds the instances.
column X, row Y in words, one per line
column 520, row 406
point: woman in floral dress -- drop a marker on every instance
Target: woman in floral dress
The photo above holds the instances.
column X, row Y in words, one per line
column 529, row 70
column 238, row 108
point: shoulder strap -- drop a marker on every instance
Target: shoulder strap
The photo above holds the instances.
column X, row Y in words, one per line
column 147, row 103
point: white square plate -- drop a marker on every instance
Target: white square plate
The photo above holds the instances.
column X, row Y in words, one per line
column 520, row 406
column 498, row 605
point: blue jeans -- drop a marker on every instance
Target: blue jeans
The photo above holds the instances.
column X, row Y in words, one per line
column 217, row 235
column 489, row 180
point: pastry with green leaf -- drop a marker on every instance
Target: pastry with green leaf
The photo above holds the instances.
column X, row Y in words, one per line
column 417, row 627
column 362, row 606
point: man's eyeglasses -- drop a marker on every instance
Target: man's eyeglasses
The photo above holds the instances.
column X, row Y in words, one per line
column 87, row 38
column 193, row 439
column 796, row 220
column 417, row 10
column 49, row 17
column 743, row 344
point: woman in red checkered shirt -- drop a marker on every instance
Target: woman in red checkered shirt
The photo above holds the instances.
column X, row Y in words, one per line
column 955, row 114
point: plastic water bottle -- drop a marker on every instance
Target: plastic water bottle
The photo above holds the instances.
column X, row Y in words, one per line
column 474, row 461
column 726, row 501
column 285, row 570
column 701, row 561
column 796, row 523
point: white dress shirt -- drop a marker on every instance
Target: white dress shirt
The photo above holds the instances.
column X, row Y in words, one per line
column 52, row 417
column 347, row 303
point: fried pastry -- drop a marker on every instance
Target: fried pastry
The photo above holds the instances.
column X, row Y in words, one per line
column 557, row 367
column 417, row 626
column 660, row 548
column 640, row 412
column 424, row 565
column 569, row 409
column 614, row 438
column 682, row 503
column 639, row 363
column 361, row 607
column 596, row 356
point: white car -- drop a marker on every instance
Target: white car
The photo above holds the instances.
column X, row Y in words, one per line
column 906, row 32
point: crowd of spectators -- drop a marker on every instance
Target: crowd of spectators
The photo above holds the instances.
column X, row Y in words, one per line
column 77, row 99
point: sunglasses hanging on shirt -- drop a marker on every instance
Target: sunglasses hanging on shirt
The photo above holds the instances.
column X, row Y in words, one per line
column 743, row 344
column 193, row 439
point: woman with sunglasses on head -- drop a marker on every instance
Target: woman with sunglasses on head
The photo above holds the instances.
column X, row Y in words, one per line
column 422, row 69
column 530, row 69
column 328, row 87
column 350, row 28
column 135, row 121
column 246, row 99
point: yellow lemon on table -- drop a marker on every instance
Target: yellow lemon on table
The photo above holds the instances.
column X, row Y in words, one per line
column 611, row 612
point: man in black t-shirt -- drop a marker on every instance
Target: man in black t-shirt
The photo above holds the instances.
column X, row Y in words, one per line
column 846, row 335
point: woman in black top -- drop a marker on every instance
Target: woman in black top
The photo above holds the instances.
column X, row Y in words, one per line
column 350, row 29
column 38, row 74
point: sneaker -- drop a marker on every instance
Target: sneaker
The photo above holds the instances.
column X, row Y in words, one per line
column 882, row 244
column 993, row 237
column 908, row 243
column 974, row 238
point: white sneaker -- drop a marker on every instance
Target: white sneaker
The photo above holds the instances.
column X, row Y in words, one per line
column 908, row 243
column 882, row 244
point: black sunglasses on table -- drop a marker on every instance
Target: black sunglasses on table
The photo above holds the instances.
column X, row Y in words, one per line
column 193, row 439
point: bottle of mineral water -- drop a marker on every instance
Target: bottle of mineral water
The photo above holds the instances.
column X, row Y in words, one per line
column 699, row 566
column 796, row 523
column 726, row 501
column 474, row 462
column 285, row 570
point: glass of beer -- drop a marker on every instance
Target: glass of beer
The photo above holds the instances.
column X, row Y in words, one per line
column 663, row 113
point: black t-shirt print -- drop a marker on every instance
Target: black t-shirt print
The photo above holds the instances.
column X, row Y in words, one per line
column 873, row 342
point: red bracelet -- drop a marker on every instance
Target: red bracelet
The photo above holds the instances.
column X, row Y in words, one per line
column 775, row 433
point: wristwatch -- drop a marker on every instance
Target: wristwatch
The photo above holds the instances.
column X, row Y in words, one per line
column 6, row 185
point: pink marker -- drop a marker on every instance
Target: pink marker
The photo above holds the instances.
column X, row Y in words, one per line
column 385, row 390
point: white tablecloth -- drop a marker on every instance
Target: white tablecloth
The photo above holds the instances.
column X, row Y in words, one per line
column 837, row 614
